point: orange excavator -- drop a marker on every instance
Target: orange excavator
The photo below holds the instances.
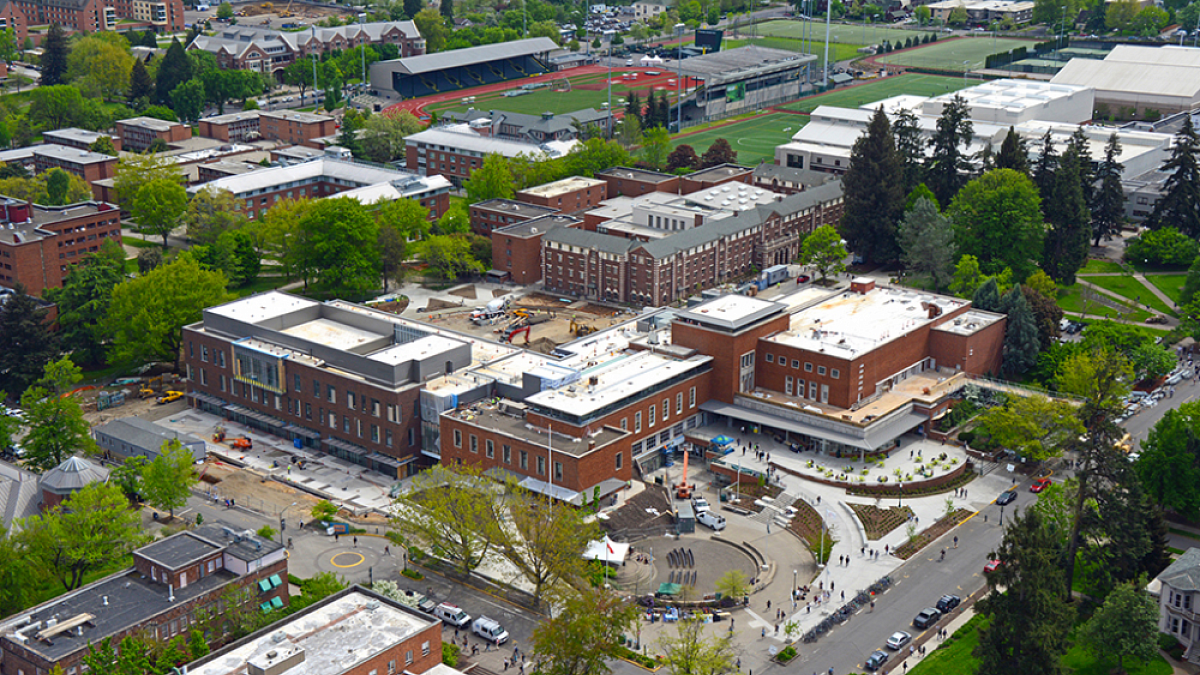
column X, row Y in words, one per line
column 683, row 490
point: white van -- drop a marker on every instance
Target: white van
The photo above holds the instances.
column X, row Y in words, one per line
column 710, row 519
column 489, row 630
column 452, row 614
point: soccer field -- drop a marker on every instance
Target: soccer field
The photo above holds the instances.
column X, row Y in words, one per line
column 592, row 94
column 754, row 139
column 839, row 32
column 951, row 54
column 909, row 83
column 838, row 51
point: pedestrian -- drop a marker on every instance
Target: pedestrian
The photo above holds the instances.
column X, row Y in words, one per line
column 506, row 663
column 818, row 499
column 911, row 650
column 456, row 633
column 387, row 550
column 831, row 586
column 337, row 536
column 356, row 542
column 768, row 604
column 764, row 631
column 863, row 552
column 955, row 542
column 885, row 549
column 985, row 517
column 777, row 629
column 843, row 595
column 905, row 668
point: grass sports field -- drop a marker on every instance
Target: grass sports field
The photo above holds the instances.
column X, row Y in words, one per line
column 838, row 32
column 950, row 54
column 837, row 51
column 754, row 139
column 853, row 97
column 587, row 91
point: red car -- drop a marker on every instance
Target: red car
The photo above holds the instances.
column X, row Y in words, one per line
column 1040, row 484
column 803, row 279
column 991, row 566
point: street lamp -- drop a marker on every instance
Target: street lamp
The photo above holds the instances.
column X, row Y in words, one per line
column 965, row 72
column 282, row 522
column 679, row 83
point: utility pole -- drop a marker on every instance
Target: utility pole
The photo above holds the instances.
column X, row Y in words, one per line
column 828, row 14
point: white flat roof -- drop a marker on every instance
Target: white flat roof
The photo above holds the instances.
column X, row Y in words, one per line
column 731, row 308
column 461, row 137
column 511, row 370
column 261, row 307
column 332, row 334
column 415, row 350
column 335, row 638
column 563, row 186
column 969, row 322
column 618, row 379
column 850, row 323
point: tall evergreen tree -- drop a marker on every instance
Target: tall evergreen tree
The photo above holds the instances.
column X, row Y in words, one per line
column 447, row 8
column 910, row 146
column 1067, row 214
column 1029, row 621
column 175, row 69
column 1044, row 167
column 873, row 199
column 411, row 7
column 1108, row 201
column 633, row 108
column 926, row 240
column 1179, row 207
column 141, row 87
column 28, row 343
column 54, row 56
column 1021, row 340
column 987, row 296
column 946, row 167
column 1014, row 154
column 1078, row 145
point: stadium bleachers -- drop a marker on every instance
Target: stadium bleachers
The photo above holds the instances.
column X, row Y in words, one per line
column 451, row 71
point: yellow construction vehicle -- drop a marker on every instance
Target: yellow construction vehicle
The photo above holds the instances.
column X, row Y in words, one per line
column 579, row 330
column 151, row 387
column 520, row 313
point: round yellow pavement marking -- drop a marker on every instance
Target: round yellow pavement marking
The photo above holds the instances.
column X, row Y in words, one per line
column 333, row 561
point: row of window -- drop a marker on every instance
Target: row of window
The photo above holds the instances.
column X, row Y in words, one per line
column 808, row 367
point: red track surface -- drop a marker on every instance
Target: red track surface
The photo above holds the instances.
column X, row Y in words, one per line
column 417, row 106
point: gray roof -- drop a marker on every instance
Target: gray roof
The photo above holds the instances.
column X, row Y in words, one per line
column 539, row 225
column 636, row 174
column 742, row 62
column 528, row 123
column 605, row 243
column 471, row 55
column 74, row 474
column 178, row 550
column 143, row 434
column 248, row 546
column 1184, row 573
column 69, row 154
column 236, row 40
column 787, row 173
column 19, row 493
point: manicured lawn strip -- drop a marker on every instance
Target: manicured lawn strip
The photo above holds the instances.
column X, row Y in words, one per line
column 841, row 32
column 853, row 97
column 1131, row 288
column 1101, row 267
column 1070, row 299
column 754, row 139
column 950, row 54
column 956, row 655
column 262, row 283
column 1170, row 284
column 1080, row 660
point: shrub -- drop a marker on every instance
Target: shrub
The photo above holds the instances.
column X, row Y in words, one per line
column 786, row 654
column 1167, row 246
column 450, row 654
column 412, row 574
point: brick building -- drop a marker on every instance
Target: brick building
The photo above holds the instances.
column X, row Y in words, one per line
column 81, row 139
column 536, row 128
column 517, row 248
column 138, row 133
column 494, row 214
column 256, row 191
column 714, row 176
column 171, row 580
column 38, row 244
column 660, row 248
column 352, row 632
column 265, row 50
column 456, row 150
column 297, row 128
column 569, row 195
column 786, row 180
column 88, row 165
column 335, row 376
column 89, row 16
column 627, row 182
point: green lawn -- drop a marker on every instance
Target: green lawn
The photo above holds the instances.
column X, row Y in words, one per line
column 850, row 33
column 853, row 97
column 1071, row 300
column 956, row 655
column 1128, row 287
column 754, row 139
column 549, row 100
column 262, row 283
column 1170, row 284
column 1101, row 267
column 837, row 51
column 950, row 54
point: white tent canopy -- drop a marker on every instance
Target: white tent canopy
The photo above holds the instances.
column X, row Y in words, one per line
column 651, row 61
column 606, row 550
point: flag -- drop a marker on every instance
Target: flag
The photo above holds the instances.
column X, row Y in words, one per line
column 609, row 545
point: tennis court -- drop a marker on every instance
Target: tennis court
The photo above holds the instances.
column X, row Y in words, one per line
column 753, row 139
column 954, row 54
column 860, row 34
column 909, row 83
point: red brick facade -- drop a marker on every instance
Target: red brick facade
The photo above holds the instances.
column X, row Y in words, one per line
column 585, row 196
column 138, row 133
column 64, row 236
column 637, row 182
column 295, row 129
column 380, row 420
column 494, row 214
column 85, row 166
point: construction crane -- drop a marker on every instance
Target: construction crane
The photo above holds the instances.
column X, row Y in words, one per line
column 683, row 490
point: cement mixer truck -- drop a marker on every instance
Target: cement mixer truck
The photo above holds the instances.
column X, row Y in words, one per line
column 492, row 311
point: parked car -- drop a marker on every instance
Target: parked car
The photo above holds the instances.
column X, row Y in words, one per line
column 710, row 519
column 1006, row 497
column 1039, row 485
column 489, row 630
column 898, row 640
column 948, row 602
column 926, row 618
column 452, row 614
column 876, row 660
column 803, row 279
column 991, row 566
column 700, row 504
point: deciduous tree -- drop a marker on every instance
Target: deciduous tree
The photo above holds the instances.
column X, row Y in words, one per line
column 90, row 530
column 210, row 213
column 57, row 429
column 1169, row 466
column 187, row 99
column 158, row 207
column 453, row 511
column 337, row 246
column 693, row 650
column 167, row 479
column 997, row 218
column 585, row 634
column 823, row 250
column 656, row 145
column 134, row 171
column 492, row 180
column 1035, row 426
column 967, row 277
column 720, row 152
column 148, row 313
column 873, row 200
column 99, row 65
column 546, row 543
column 83, row 302
column 383, row 136
column 1125, row 626
column 682, row 157
column 449, row 256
